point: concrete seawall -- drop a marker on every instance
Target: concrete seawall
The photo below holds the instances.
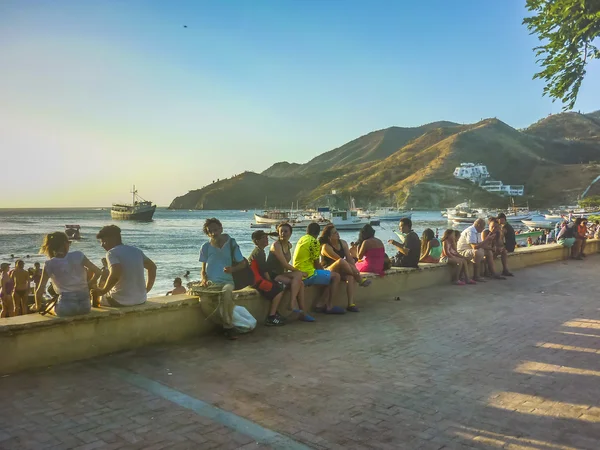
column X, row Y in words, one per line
column 36, row 341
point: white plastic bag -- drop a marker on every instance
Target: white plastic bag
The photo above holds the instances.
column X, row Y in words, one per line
column 243, row 321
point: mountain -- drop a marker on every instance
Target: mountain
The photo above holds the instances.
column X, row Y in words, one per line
column 571, row 125
column 554, row 158
column 373, row 146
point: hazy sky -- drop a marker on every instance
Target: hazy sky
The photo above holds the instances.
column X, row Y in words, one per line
column 98, row 95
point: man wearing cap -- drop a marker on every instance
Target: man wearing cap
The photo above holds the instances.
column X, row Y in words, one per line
column 6, row 288
column 125, row 285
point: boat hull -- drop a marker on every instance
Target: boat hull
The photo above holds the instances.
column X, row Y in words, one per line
column 532, row 224
column 140, row 216
column 263, row 219
column 394, row 217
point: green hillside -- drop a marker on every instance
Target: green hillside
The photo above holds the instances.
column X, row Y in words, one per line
column 553, row 158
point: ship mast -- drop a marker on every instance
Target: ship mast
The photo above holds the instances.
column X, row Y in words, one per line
column 133, row 192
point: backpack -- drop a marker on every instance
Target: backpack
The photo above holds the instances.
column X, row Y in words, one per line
column 243, row 277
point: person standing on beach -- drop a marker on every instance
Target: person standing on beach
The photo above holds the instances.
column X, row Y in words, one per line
column 20, row 278
column 220, row 257
column 125, row 285
column 6, row 290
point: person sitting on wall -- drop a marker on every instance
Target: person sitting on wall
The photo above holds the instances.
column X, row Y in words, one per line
column 335, row 256
column 460, row 274
column 508, row 233
column 220, row 257
column 178, row 288
column 307, row 259
column 370, row 252
column 431, row 249
column 67, row 270
column 280, row 270
column 125, row 285
column 566, row 238
column 581, row 234
column 270, row 289
column 497, row 248
column 409, row 251
column 473, row 247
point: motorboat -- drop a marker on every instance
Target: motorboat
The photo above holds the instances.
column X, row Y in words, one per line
column 139, row 209
column 463, row 213
column 261, row 225
column 537, row 224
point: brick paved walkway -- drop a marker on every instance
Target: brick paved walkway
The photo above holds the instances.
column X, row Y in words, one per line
column 514, row 364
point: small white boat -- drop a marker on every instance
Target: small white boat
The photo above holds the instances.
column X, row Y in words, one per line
column 544, row 224
column 385, row 213
column 272, row 217
column 553, row 216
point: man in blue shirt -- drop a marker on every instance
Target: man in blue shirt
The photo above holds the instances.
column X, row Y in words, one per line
column 218, row 267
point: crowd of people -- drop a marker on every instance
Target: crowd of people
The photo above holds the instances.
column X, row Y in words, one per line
column 320, row 258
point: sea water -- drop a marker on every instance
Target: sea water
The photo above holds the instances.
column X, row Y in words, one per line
column 172, row 240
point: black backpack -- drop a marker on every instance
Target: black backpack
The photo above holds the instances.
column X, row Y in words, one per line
column 243, row 277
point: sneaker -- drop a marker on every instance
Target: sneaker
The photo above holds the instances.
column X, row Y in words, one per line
column 471, row 282
column 273, row 321
column 459, row 283
column 280, row 317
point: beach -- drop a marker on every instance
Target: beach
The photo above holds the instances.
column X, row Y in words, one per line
column 172, row 240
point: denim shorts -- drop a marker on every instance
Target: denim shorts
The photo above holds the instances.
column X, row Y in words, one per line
column 73, row 304
column 321, row 277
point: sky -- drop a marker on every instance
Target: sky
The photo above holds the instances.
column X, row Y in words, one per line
column 170, row 95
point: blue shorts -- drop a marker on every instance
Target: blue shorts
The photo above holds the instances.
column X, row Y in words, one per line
column 321, row 277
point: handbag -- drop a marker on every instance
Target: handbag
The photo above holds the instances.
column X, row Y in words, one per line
column 242, row 277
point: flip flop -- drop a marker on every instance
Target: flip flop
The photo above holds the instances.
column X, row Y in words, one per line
column 352, row 308
column 365, row 282
column 335, row 310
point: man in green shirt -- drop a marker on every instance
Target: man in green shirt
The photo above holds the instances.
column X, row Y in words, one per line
column 306, row 259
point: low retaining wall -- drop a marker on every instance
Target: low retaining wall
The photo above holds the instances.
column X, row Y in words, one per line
column 36, row 341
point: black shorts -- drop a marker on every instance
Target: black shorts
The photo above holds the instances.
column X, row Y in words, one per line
column 269, row 289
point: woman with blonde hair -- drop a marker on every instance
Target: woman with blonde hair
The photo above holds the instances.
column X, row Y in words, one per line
column 67, row 270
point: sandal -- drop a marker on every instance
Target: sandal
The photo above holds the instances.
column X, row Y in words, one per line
column 335, row 310
column 365, row 282
column 352, row 308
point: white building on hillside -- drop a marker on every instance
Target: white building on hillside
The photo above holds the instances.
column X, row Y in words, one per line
column 472, row 172
column 478, row 173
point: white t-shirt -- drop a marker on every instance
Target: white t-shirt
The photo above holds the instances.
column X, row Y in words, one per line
column 131, row 288
column 67, row 274
column 467, row 237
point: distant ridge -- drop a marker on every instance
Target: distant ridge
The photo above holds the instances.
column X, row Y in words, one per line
column 555, row 158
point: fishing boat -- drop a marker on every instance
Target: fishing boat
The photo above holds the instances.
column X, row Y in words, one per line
column 463, row 213
column 72, row 232
column 347, row 220
column 139, row 209
column 272, row 217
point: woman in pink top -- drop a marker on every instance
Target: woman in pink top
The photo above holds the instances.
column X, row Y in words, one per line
column 450, row 255
column 371, row 252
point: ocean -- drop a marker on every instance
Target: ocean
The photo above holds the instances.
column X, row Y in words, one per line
column 172, row 240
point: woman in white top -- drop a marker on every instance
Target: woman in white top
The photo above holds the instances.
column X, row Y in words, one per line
column 67, row 270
